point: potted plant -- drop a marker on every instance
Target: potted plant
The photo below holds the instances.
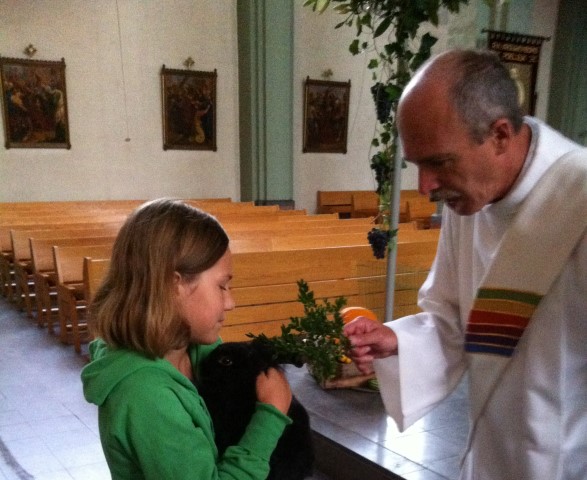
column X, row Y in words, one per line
column 317, row 339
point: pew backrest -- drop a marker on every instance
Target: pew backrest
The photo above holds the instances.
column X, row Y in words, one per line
column 95, row 270
column 42, row 249
column 69, row 261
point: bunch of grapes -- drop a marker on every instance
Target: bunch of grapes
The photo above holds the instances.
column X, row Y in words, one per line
column 382, row 102
column 379, row 239
column 382, row 166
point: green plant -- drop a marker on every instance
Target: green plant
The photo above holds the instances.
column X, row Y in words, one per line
column 316, row 337
column 389, row 30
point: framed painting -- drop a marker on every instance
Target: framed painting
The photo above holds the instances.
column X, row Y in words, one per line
column 326, row 111
column 521, row 56
column 34, row 103
column 189, row 109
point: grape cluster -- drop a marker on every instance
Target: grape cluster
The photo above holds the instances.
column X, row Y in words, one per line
column 382, row 165
column 379, row 240
column 382, row 102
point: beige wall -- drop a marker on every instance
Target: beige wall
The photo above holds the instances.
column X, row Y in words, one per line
column 101, row 164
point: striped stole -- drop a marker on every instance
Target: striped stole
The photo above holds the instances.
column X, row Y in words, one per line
column 530, row 257
column 498, row 320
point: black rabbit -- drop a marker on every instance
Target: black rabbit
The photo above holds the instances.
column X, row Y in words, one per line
column 227, row 380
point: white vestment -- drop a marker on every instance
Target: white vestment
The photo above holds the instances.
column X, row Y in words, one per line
column 531, row 424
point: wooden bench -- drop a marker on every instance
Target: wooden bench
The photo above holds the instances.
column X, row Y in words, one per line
column 44, row 274
column 20, row 208
column 95, row 270
column 33, row 215
column 69, row 265
column 420, row 210
column 39, row 215
column 365, row 203
column 335, row 201
column 296, row 239
column 22, row 254
column 41, row 223
column 265, row 288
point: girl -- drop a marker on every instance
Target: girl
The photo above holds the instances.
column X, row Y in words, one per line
column 157, row 314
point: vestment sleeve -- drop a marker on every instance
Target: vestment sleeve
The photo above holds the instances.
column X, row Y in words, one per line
column 430, row 360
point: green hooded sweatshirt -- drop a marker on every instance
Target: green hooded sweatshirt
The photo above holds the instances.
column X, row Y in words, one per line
column 154, row 424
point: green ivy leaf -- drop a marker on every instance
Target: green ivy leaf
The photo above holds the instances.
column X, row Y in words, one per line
column 373, row 63
column 382, row 27
column 393, row 92
column 322, row 5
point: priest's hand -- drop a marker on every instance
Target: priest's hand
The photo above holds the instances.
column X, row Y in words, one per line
column 370, row 340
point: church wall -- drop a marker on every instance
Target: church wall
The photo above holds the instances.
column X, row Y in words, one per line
column 106, row 107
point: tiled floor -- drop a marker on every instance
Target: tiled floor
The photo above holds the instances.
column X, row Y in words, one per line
column 49, row 432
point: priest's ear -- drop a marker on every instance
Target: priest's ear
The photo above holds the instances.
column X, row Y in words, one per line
column 501, row 134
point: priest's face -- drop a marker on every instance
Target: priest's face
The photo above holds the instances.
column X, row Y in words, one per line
column 452, row 166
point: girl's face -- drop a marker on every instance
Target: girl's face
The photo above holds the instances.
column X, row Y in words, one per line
column 202, row 303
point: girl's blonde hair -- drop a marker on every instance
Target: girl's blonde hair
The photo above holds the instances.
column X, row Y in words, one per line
column 134, row 307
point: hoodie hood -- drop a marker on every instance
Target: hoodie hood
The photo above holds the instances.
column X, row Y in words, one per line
column 109, row 366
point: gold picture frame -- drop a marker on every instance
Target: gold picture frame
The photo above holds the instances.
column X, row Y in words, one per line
column 326, row 111
column 520, row 54
column 34, row 103
column 189, row 109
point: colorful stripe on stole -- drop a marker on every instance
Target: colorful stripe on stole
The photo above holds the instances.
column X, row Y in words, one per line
column 498, row 320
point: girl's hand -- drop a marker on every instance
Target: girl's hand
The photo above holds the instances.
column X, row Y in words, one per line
column 273, row 388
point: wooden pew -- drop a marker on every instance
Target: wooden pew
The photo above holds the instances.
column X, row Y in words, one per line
column 20, row 215
column 41, row 223
column 69, row 265
column 307, row 221
column 39, row 215
column 335, row 201
column 228, row 212
column 366, row 202
column 267, row 239
column 307, row 240
column 44, row 274
column 22, row 255
column 313, row 228
column 420, row 210
column 95, row 269
column 265, row 288
column 20, row 208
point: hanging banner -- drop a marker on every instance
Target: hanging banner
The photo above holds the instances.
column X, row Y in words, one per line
column 521, row 54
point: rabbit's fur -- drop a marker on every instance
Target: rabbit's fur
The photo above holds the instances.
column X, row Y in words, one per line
column 227, row 379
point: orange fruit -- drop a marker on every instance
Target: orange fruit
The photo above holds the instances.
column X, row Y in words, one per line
column 350, row 313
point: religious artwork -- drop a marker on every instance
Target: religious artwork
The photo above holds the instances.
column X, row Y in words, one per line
column 520, row 54
column 34, row 103
column 189, row 109
column 326, row 111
